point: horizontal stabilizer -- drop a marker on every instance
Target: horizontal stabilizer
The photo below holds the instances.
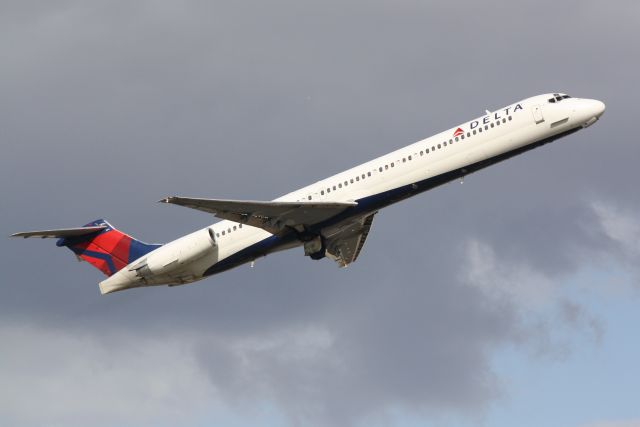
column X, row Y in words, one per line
column 274, row 216
column 60, row 232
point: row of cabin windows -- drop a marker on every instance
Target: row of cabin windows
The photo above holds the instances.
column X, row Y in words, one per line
column 341, row 184
column 422, row 152
column 229, row 230
column 474, row 132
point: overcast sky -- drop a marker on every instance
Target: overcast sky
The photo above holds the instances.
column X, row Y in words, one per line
column 509, row 300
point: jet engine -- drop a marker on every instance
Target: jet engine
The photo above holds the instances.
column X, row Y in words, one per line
column 171, row 258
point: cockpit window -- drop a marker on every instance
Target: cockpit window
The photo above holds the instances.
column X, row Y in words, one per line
column 557, row 98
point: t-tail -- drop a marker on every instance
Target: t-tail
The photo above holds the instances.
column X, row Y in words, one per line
column 99, row 243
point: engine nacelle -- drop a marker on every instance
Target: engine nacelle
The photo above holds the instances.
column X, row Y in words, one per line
column 173, row 258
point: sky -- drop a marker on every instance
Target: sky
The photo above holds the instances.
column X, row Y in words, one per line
column 509, row 300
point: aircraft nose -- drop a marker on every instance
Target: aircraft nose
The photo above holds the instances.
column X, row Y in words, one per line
column 588, row 111
column 598, row 107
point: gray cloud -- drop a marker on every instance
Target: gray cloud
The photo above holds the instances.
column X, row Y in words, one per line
column 71, row 377
column 106, row 107
column 616, row 423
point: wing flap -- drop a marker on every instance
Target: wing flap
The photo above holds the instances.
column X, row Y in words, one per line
column 60, row 232
column 272, row 216
column 345, row 246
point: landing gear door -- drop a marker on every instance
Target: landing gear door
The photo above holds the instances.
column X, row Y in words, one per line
column 537, row 114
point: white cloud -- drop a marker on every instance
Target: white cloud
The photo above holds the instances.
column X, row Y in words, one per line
column 518, row 282
column 619, row 225
column 540, row 300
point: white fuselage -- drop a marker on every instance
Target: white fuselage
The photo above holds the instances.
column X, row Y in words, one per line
column 385, row 180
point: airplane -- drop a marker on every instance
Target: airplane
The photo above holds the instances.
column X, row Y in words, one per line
column 330, row 218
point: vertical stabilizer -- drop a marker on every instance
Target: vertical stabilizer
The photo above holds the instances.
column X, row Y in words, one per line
column 107, row 249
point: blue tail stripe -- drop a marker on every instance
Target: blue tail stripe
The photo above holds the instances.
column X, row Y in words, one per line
column 99, row 255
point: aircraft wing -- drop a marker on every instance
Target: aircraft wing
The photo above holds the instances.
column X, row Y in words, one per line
column 60, row 232
column 345, row 246
column 274, row 217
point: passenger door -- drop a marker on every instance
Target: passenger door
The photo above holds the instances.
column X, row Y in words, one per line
column 537, row 114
